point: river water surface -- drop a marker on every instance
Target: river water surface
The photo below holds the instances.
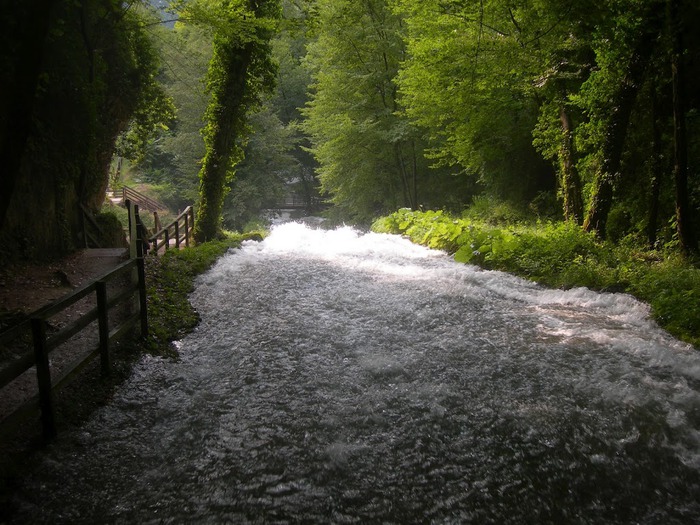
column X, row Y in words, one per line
column 338, row 377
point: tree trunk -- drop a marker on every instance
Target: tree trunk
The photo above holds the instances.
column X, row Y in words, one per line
column 655, row 175
column 616, row 129
column 570, row 180
column 225, row 119
column 401, row 165
column 415, row 174
column 680, row 139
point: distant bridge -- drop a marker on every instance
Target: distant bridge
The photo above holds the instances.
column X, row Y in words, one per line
column 295, row 202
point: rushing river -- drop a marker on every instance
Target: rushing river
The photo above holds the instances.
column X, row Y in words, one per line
column 346, row 378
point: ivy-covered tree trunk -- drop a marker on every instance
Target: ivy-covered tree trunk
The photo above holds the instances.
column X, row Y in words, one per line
column 680, row 139
column 240, row 71
column 616, row 128
column 223, row 153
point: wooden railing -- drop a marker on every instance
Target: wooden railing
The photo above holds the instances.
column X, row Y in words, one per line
column 295, row 201
column 292, row 201
column 178, row 232
column 92, row 233
column 130, row 194
column 43, row 344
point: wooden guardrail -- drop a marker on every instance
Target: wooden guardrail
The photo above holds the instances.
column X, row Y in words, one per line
column 298, row 202
column 43, row 344
column 92, row 232
column 130, row 194
column 180, row 231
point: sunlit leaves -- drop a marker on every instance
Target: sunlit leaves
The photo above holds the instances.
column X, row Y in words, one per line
column 468, row 82
column 358, row 137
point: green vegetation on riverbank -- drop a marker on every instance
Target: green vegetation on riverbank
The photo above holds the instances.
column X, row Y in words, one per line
column 169, row 281
column 562, row 255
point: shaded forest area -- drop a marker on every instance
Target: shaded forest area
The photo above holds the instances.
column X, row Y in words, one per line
column 74, row 77
column 582, row 110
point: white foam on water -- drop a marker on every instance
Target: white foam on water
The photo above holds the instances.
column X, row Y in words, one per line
column 360, row 373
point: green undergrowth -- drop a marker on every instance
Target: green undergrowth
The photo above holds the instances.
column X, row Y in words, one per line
column 170, row 280
column 562, row 255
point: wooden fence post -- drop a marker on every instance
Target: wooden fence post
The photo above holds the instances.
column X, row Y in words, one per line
column 141, row 276
column 143, row 306
column 133, row 234
column 177, row 234
column 103, row 324
column 43, row 376
column 187, row 229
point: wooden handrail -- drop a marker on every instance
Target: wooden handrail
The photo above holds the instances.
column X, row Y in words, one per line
column 180, row 230
column 142, row 200
column 88, row 236
column 43, row 344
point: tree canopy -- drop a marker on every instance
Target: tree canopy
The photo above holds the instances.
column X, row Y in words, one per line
column 583, row 110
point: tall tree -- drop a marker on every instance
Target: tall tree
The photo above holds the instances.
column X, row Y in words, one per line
column 240, row 72
column 686, row 233
column 468, row 82
column 276, row 164
column 612, row 90
column 370, row 156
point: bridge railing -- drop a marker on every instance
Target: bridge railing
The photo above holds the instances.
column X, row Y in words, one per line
column 299, row 202
column 130, row 194
column 179, row 232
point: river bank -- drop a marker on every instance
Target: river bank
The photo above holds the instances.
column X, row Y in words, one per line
column 170, row 279
column 561, row 255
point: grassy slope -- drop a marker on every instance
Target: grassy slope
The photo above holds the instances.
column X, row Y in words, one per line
column 562, row 255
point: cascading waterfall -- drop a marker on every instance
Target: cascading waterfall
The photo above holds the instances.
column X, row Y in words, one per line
column 353, row 378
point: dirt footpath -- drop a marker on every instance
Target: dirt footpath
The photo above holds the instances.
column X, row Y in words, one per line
column 29, row 287
column 24, row 289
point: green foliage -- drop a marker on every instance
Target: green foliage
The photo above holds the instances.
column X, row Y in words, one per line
column 357, row 137
column 155, row 110
column 468, row 82
column 488, row 209
column 173, row 159
column 371, row 157
column 671, row 286
column 560, row 254
column 263, row 177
